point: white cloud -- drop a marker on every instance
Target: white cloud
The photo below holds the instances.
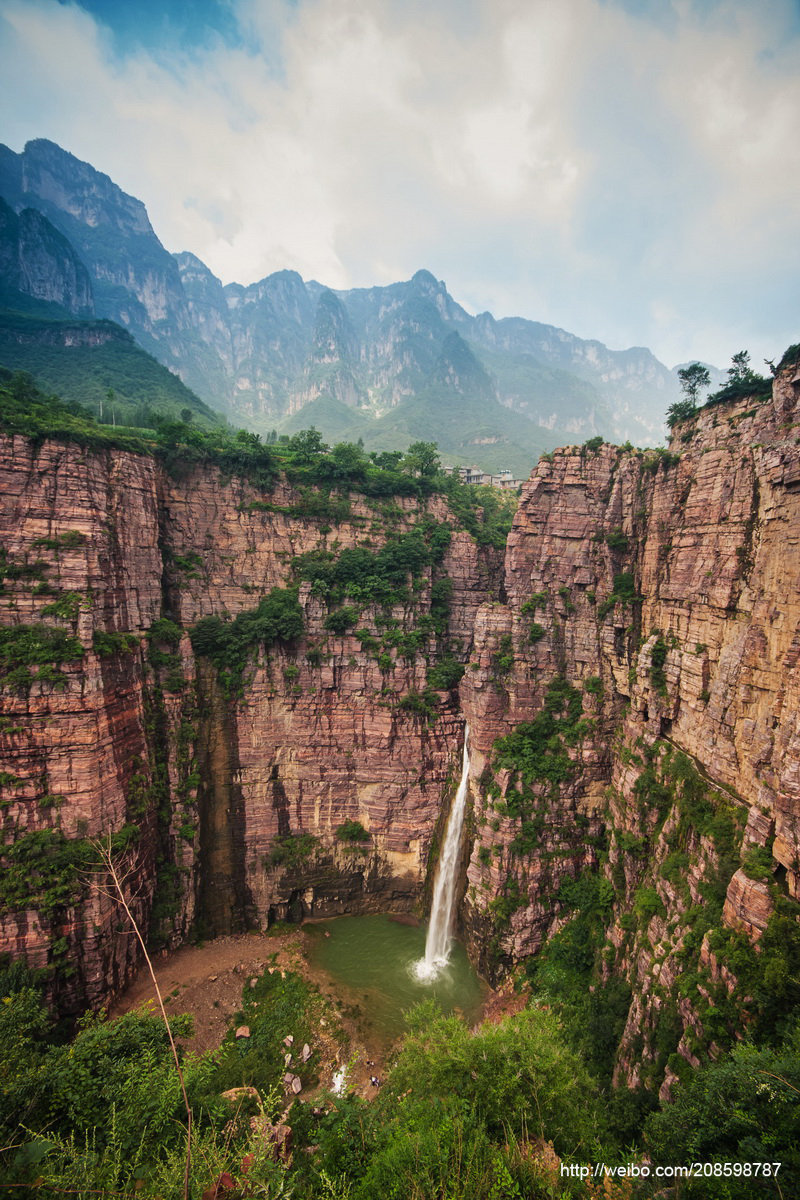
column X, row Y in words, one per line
column 576, row 162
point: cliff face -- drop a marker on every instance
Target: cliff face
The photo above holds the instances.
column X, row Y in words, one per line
column 37, row 261
column 657, row 593
column 223, row 801
column 317, row 738
column 81, row 532
column 630, row 687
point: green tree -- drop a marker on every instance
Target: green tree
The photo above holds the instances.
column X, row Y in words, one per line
column 24, row 1084
column 457, row 1108
column 744, row 1107
column 516, row 1076
column 692, row 379
column 681, row 410
column 346, row 464
column 387, row 460
column 306, row 446
column 422, row 458
column 740, row 370
column 118, row 1074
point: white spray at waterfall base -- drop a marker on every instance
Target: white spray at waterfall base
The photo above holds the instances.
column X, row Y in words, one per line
column 437, row 943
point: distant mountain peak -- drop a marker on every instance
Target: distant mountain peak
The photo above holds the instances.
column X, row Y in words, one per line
column 425, row 282
column 76, row 187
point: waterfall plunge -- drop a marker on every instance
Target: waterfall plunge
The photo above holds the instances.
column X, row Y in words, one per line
column 437, row 943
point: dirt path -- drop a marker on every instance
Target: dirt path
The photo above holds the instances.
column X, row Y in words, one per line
column 207, row 980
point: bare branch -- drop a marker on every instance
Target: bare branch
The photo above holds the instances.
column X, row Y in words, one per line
column 117, row 892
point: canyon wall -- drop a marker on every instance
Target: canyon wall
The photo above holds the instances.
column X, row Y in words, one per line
column 648, row 645
column 630, row 686
column 222, row 800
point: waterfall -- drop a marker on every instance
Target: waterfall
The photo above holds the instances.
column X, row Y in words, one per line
column 437, row 943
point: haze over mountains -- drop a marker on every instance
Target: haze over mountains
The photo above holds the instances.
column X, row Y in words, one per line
column 389, row 364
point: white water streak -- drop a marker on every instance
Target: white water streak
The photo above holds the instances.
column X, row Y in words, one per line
column 437, row 943
column 339, row 1080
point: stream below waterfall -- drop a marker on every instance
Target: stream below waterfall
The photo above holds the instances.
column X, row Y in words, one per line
column 370, row 960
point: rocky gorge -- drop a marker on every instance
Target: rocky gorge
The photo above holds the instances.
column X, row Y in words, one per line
column 629, row 683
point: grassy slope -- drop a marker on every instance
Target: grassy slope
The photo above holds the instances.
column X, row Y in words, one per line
column 457, row 425
column 86, row 373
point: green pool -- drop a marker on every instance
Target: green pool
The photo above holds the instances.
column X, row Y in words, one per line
column 370, row 960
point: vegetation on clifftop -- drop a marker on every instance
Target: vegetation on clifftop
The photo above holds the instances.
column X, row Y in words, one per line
column 324, row 476
column 503, row 1111
column 467, row 1114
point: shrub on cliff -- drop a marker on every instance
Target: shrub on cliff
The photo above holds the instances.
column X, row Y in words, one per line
column 229, row 644
column 376, row 577
column 681, row 410
column 461, row 1109
column 24, row 1023
column 623, row 592
column 419, row 704
column 445, row 675
column 516, row 1076
column 743, row 1109
column 790, row 357
column 108, row 644
column 115, row 1081
column 181, row 447
column 292, row 850
column 743, row 383
column 537, row 749
column 24, row 646
column 352, row 831
column 341, row 619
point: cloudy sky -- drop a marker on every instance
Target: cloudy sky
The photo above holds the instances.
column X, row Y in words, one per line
column 626, row 169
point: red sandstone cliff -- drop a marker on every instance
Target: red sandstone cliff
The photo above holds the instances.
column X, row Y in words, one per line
column 649, row 602
column 665, row 591
column 134, row 737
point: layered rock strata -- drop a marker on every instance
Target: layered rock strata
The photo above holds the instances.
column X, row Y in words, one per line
column 223, row 805
column 630, row 686
column 662, row 589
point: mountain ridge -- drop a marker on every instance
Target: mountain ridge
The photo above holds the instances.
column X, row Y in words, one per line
column 261, row 352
